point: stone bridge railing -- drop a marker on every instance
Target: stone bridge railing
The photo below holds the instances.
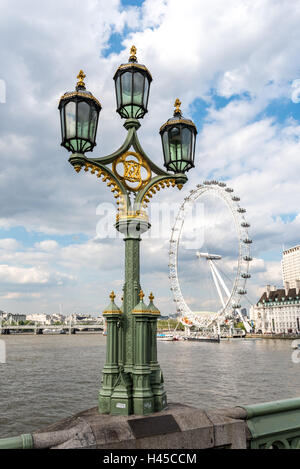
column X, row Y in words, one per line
column 272, row 425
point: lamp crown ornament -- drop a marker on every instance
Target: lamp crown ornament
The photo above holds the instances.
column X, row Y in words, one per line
column 133, row 52
column 151, row 297
column 177, row 105
column 141, row 295
column 112, row 296
column 81, row 76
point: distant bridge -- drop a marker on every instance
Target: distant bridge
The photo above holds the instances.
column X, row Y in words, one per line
column 38, row 329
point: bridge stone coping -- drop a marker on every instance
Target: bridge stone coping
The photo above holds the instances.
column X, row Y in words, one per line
column 178, row 427
column 270, row 425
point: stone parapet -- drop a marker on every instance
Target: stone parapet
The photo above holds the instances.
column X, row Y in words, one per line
column 177, row 427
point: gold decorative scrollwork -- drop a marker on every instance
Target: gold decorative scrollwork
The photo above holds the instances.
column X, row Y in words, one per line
column 106, row 177
column 132, row 163
column 156, row 188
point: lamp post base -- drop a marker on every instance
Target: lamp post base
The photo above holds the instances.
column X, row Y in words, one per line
column 121, row 399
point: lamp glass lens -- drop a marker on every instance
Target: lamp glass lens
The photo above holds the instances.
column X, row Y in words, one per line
column 118, row 90
column 93, row 124
column 138, row 86
column 126, row 87
column 186, row 144
column 71, row 119
column 175, row 144
column 166, row 147
column 146, row 93
column 62, row 119
column 83, row 120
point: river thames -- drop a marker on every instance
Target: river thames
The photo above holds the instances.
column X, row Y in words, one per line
column 47, row 378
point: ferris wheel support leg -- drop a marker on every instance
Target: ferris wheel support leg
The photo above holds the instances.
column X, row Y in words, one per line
column 220, row 279
column 216, row 283
column 246, row 325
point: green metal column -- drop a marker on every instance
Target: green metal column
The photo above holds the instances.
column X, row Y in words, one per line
column 111, row 369
column 132, row 230
column 157, row 380
column 143, row 402
column 132, row 378
column 132, row 288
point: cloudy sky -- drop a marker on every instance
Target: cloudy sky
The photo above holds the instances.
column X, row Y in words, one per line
column 237, row 73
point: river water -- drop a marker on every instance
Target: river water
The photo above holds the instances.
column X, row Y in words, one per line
column 47, row 378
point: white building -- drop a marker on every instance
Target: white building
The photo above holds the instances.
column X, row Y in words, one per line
column 11, row 318
column 80, row 319
column 40, row 318
column 278, row 310
column 290, row 265
column 57, row 318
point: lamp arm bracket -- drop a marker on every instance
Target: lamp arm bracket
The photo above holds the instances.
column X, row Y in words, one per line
column 155, row 185
column 131, row 140
column 120, row 192
column 139, row 149
column 114, row 156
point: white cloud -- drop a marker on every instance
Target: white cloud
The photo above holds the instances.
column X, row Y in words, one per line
column 10, row 274
column 48, row 245
column 20, row 296
column 31, row 275
column 9, row 244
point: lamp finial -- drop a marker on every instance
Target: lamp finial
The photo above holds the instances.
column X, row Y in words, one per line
column 141, row 295
column 177, row 107
column 81, row 76
column 151, row 297
column 112, row 296
column 133, row 52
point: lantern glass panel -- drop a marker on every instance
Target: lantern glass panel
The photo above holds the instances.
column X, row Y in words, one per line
column 126, row 88
column 138, row 88
column 186, row 144
column 83, row 120
column 166, row 147
column 175, row 144
column 146, row 93
column 71, row 119
column 93, row 124
column 62, row 120
column 118, row 91
column 193, row 147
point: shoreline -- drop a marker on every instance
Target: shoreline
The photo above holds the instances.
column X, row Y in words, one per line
column 273, row 336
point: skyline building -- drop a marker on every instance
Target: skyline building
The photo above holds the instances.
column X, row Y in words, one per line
column 278, row 310
column 290, row 266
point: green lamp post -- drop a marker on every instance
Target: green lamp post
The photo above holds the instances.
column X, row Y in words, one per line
column 132, row 381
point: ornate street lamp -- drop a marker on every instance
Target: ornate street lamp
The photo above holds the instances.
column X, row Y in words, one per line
column 178, row 137
column 132, row 380
column 132, row 88
column 79, row 114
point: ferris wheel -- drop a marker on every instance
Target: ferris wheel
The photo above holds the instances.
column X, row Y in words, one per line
column 228, row 294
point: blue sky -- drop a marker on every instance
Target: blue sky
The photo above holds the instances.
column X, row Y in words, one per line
column 242, row 94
